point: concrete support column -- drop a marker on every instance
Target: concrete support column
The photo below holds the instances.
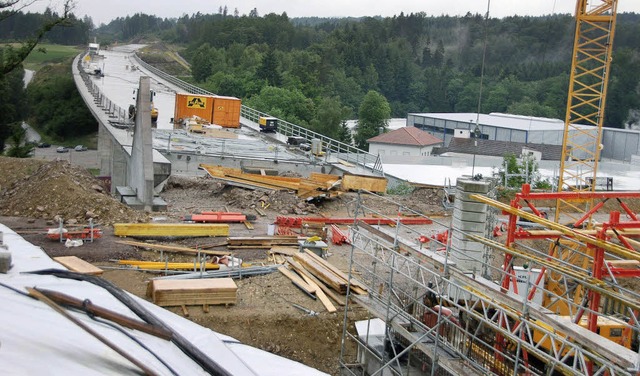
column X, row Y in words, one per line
column 141, row 169
column 469, row 216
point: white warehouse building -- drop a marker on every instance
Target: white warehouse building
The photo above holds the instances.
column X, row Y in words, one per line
column 618, row 144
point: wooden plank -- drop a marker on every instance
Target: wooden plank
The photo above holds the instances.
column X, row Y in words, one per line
column 369, row 183
column 265, row 180
column 78, row 265
column 322, row 273
column 170, row 229
column 345, row 163
column 321, row 295
column 248, row 225
column 289, row 251
column 260, row 211
column 307, row 276
column 173, row 248
column 297, row 280
column 338, row 272
column 623, row 263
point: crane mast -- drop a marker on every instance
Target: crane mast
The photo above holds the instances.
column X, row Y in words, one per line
column 591, row 60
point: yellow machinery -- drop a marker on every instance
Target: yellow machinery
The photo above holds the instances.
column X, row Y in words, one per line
column 581, row 147
column 590, row 66
column 591, row 60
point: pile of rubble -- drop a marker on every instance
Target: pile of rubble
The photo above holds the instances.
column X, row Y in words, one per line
column 282, row 202
column 58, row 189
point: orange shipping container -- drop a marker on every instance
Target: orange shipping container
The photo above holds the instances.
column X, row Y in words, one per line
column 226, row 112
column 189, row 105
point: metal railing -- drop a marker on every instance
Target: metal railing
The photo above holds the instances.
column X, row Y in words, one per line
column 340, row 150
column 119, row 117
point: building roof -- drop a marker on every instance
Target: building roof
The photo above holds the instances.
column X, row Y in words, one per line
column 411, row 136
column 498, row 148
column 496, row 119
column 31, row 327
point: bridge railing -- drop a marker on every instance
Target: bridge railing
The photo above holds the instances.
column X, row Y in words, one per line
column 117, row 114
column 340, row 150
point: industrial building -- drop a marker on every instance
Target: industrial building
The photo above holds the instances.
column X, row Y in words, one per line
column 618, row 144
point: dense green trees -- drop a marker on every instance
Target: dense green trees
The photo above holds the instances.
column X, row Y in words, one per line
column 373, row 118
column 417, row 62
column 56, row 107
column 12, row 102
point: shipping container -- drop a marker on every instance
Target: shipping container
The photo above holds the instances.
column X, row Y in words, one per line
column 189, row 105
column 226, row 112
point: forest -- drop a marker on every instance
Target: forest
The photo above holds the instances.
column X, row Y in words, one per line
column 312, row 70
column 317, row 72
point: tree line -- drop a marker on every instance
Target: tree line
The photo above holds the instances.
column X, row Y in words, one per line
column 53, row 102
column 316, row 72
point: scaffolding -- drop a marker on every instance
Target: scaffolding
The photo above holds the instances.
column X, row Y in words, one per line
column 427, row 316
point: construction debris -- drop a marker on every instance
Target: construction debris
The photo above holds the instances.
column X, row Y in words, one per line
column 317, row 185
column 174, row 248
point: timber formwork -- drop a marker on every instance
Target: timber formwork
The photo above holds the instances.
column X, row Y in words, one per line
column 440, row 320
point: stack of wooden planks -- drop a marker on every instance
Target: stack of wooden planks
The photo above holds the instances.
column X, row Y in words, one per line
column 314, row 186
column 185, row 292
column 315, row 276
column 328, row 273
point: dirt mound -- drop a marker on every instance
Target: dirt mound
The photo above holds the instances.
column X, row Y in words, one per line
column 59, row 189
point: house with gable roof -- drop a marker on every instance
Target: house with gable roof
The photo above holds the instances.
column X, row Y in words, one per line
column 406, row 141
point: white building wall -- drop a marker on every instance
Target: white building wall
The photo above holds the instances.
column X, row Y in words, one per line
column 400, row 150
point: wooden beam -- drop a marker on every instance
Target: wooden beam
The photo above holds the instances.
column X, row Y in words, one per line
column 170, row 229
column 307, row 276
column 296, row 280
column 173, row 248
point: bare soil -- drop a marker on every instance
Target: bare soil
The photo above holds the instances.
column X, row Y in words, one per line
column 36, row 194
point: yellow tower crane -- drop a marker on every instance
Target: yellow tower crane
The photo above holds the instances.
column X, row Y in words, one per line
column 591, row 60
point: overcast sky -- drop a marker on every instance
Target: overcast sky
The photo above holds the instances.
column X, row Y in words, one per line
column 103, row 11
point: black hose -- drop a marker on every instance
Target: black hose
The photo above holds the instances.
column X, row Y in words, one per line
column 182, row 343
column 134, row 339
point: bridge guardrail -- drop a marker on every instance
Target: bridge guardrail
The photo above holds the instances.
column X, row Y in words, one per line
column 115, row 112
column 339, row 149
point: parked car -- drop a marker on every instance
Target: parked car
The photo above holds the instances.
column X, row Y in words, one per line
column 44, row 145
column 62, row 149
column 80, row 148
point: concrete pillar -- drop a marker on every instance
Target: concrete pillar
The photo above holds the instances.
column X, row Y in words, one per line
column 141, row 167
column 470, row 217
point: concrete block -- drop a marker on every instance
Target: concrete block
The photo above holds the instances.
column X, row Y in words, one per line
column 159, row 204
column 469, row 185
column 472, row 206
column 466, row 196
column 467, row 216
column 466, row 245
column 468, row 226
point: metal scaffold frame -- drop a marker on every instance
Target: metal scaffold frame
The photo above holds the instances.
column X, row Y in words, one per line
column 440, row 320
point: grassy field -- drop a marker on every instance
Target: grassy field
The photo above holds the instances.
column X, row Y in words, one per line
column 55, row 53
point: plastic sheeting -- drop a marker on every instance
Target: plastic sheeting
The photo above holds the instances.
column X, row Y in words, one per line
column 34, row 339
